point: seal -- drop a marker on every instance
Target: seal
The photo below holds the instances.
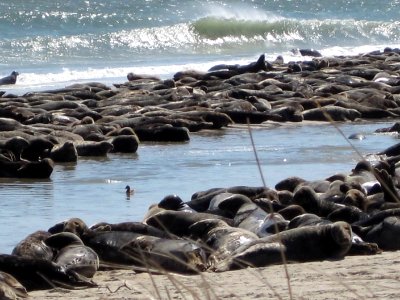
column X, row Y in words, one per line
column 200, row 201
column 72, row 254
column 73, row 225
column 35, row 274
column 118, row 249
column 174, row 202
column 171, row 255
column 219, row 238
column 125, row 144
column 26, row 169
column 16, row 145
column 358, row 245
column 331, row 113
column 251, row 217
column 64, row 153
column 10, row 79
column 382, row 228
column 309, row 243
column 309, row 200
column 33, row 246
column 93, row 148
column 177, row 222
column 37, row 149
column 135, row 227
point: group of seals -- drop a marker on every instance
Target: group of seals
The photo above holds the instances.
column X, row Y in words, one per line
column 219, row 229
column 98, row 119
column 224, row 229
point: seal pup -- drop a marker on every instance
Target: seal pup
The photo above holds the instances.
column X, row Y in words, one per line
column 10, row 79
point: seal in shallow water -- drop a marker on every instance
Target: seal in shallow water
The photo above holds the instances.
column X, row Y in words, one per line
column 10, row 79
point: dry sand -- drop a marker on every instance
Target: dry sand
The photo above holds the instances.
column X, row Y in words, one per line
column 355, row 277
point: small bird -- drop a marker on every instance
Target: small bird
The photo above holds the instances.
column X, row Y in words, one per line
column 129, row 191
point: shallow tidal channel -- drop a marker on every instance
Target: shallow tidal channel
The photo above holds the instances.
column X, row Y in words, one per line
column 93, row 189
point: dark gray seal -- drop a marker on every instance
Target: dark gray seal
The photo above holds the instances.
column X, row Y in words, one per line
column 178, row 222
column 72, row 254
column 93, row 148
column 383, row 228
column 310, row 243
column 10, row 79
column 33, row 246
column 219, row 238
column 25, row 169
column 64, row 153
column 174, row 202
column 118, row 249
column 35, row 274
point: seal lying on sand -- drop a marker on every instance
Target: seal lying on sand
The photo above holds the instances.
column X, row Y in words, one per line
column 311, row 243
column 219, row 238
column 33, row 246
column 125, row 247
column 37, row 274
column 72, row 254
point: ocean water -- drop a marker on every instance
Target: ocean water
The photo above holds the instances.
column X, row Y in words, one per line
column 56, row 43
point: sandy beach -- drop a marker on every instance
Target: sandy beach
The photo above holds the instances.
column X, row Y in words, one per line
column 354, row 277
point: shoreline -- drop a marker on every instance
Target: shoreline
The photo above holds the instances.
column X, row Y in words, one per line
column 354, row 277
